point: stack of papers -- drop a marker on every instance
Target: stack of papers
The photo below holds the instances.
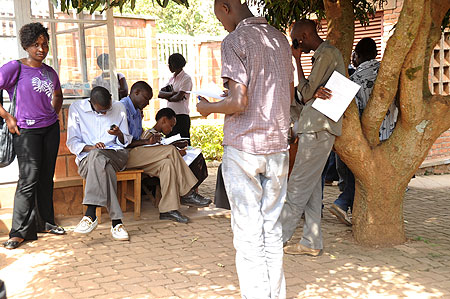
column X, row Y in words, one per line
column 211, row 90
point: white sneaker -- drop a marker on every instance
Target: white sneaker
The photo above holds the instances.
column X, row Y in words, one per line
column 119, row 233
column 86, row 225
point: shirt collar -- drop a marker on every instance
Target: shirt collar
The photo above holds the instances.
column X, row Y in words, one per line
column 251, row 21
column 86, row 106
column 320, row 48
column 127, row 100
column 180, row 74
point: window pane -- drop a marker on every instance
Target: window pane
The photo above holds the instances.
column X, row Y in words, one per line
column 97, row 55
column 39, row 9
column 8, row 41
column 6, row 8
column 76, row 71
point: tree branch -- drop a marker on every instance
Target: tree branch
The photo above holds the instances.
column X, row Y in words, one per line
column 411, row 78
column 386, row 85
column 351, row 146
column 341, row 26
column 440, row 111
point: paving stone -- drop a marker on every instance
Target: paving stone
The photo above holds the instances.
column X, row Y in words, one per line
column 175, row 261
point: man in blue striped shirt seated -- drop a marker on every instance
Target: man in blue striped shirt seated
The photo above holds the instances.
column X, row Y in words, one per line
column 162, row 161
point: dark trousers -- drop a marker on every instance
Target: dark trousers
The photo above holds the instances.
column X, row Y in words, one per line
column 182, row 126
column 345, row 199
column 199, row 169
column 36, row 151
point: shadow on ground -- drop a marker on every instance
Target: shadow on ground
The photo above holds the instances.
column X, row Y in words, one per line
column 171, row 260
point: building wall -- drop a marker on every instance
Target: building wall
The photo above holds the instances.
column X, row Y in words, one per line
column 137, row 59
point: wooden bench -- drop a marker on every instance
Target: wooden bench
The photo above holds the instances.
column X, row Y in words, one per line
column 123, row 177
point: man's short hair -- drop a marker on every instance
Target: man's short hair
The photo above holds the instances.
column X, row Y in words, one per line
column 165, row 112
column 101, row 96
column 177, row 61
column 141, row 85
column 366, row 49
column 308, row 24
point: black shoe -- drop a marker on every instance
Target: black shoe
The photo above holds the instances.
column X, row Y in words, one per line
column 10, row 244
column 194, row 199
column 54, row 229
column 174, row 216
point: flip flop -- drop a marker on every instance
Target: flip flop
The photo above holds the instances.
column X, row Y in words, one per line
column 11, row 244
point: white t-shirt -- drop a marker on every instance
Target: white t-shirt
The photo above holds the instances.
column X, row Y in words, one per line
column 182, row 82
column 105, row 81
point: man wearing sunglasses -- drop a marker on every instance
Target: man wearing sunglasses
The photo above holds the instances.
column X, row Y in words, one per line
column 97, row 133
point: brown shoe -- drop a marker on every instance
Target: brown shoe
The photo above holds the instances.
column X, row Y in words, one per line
column 298, row 248
column 340, row 214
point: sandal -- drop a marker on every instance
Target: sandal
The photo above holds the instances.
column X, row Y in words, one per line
column 13, row 244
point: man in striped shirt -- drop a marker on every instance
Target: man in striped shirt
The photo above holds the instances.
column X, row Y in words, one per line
column 258, row 72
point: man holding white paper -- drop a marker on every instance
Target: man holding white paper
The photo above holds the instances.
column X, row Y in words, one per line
column 316, row 134
column 258, row 72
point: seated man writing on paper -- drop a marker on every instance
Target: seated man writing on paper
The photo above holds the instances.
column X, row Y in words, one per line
column 165, row 121
column 97, row 133
column 316, row 134
column 162, row 161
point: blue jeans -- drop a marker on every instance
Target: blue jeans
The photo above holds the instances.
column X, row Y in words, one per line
column 256, row 187
column 345, row 199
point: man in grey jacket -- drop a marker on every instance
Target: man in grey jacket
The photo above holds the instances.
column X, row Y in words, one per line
column 316, row 134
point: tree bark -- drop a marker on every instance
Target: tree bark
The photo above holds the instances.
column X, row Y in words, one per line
column 341, row 26
column 378, row 219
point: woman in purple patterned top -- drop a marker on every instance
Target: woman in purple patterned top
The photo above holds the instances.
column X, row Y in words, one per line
column 36, row 135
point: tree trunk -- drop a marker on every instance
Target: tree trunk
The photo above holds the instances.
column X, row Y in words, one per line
column 378, row 213
column 383, row 170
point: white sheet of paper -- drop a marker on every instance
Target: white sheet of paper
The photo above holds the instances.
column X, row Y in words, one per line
column 191, row 154
column 211, row 90
column 343, row 91
column 154, row 144
column 169, row 140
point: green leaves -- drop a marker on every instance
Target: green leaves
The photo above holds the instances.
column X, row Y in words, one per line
column 102, row 5
column 209, row 138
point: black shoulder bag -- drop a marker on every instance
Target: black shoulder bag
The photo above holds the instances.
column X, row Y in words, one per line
column 7, row 153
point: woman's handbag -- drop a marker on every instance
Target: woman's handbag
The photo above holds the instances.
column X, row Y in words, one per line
column 7, row 153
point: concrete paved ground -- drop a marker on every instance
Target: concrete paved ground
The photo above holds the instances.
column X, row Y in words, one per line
column 170, row 260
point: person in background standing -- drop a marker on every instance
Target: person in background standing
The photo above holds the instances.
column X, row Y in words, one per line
column 175, row 92
column 104, row 79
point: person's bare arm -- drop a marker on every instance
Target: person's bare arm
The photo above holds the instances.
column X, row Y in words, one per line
column 57, row 100
column 153, row 139
column 236, row 102
column 10, row 120
column 123, row 88
column 177, row 97
column 165, row 94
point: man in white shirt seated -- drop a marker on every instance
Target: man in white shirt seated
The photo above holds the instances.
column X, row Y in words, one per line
column 97, row 134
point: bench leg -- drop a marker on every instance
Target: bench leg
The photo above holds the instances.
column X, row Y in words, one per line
column 98, row 213
column 137, row 198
